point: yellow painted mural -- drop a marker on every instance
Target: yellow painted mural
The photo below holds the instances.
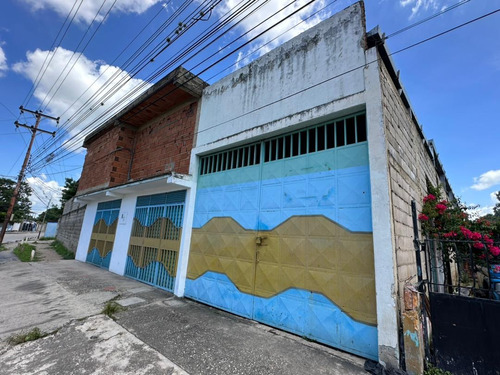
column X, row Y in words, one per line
column 306, row 252
column 103, row 237
column 158, row 242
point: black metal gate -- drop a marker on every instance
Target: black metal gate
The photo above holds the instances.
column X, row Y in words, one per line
column 465, row 334
column 463, row 295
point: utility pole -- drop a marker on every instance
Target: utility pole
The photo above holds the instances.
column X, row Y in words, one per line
column 34, row 129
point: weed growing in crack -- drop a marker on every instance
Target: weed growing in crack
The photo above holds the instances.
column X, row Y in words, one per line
column 22, row 337
column 111, row 308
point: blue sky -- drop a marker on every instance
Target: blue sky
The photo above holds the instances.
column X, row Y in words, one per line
column 453, row 81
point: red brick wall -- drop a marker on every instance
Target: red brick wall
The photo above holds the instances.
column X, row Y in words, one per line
column 162, row 146
column 98, row 162
column 121, row 160
column 165, row 144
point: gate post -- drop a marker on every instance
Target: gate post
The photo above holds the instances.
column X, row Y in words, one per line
column 412, row 332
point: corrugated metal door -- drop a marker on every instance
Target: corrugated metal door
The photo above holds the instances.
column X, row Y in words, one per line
column 103, row 233
column 282, row 235
column 155, row 239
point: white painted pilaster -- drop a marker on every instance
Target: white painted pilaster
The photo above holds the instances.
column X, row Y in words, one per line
column 187, row 228
column 122, row 236
column 86, row 232
column 384, row 250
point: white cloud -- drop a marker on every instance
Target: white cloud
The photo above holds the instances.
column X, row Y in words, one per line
column 479, row 211
column 487, row 180
column 419, row 5
column 89, row 8
column 493, row 197
column 3, row 62
column 79, row 79
column 44, row 191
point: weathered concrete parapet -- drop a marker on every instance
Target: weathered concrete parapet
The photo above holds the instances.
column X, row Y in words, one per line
column 265, row 91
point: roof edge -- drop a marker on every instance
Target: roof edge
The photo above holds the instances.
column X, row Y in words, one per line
column 376, row 39
column 180, row 77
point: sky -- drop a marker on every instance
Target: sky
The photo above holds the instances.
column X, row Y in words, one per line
column 83, row 60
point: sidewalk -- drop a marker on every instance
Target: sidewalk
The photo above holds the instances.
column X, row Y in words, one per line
column 156, row 334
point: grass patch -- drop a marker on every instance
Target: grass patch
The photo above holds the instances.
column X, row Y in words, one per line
column 47, row 238
column 3, row 248
column 431, row 370
column 61, row 250
column 111, row 308
column 23, row 252
column 22, row 337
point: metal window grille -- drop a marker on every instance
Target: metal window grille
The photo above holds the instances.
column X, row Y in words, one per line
column 337, row 133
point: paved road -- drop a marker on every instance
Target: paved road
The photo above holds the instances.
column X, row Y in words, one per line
column 19, row 236
column 156, row 334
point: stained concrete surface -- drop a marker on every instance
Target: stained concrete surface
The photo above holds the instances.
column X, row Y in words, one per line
column 7, row 255
column 66, row 297
column 111, row 350
column 204, row 340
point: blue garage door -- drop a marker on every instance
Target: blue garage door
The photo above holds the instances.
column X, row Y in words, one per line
column 155, row 239
column 282, row 234
column 103, row 233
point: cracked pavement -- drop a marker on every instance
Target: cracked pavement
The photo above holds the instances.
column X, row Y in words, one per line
column 156, row 333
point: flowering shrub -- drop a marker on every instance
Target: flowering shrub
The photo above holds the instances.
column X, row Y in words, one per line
column 450, row 221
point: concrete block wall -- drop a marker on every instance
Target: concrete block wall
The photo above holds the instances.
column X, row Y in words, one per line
column 70, row 224
column 410, row 166
column 288, row 86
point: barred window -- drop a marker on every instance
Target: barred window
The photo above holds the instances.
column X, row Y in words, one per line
column 337, row 133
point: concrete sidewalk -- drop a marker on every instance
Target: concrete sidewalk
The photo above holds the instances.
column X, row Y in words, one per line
column 156, row 334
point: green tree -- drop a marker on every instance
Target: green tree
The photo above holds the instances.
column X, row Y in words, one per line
column 22, row 207
column 51, row 215
column 496, row 209
column 68, row 191
column 495, row 216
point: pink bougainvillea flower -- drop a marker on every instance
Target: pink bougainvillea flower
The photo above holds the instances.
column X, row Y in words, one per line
column 495, row 251
column 475, row 236
column 496, row 269
column 488, row 240
column 423, row 217
column 444, row 201
column 429, row 197
column 466, row 232
column 441, row 208
column 450, row 235
column 478, row 245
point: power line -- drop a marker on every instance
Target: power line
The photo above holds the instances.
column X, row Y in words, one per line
column 80, row 53
column 169, row 21
column 124, row 98
column 352, row 70
column 423, row 41
column 437, row 14
column 42, row 70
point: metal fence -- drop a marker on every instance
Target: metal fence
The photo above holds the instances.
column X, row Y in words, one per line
column 462, row 268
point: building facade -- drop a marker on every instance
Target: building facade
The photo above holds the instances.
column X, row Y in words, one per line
column 134, row 183
column 296, row 201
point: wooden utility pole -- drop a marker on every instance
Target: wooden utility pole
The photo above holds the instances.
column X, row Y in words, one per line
column 33, row 129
